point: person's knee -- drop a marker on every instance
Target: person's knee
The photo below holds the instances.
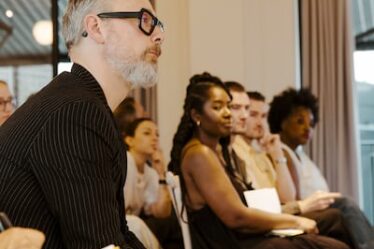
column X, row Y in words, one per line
column 345, row 203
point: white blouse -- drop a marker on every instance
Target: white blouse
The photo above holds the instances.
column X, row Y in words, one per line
column 141, row 190
column 310, row 177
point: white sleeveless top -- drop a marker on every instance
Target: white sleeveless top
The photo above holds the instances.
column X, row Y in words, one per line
column 310, row 177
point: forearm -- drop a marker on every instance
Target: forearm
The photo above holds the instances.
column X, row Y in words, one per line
column 291, row 207
column 162, row 207
column 284, row 184
column 256, row 221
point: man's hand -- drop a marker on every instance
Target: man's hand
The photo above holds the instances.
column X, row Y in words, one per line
column 272, row 145
column 319, row 200
column 21, row 238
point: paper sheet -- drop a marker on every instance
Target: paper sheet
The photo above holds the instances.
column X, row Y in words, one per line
column 267, row 199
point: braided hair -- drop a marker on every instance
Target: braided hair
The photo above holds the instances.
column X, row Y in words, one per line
column 197, row 94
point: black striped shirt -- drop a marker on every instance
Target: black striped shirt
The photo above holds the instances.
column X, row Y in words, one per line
column 62, row 166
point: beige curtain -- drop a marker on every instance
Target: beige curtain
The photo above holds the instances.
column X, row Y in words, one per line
column 327, row 51
column 148, row 96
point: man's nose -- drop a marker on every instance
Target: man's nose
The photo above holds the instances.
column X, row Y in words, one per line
column 158, row 35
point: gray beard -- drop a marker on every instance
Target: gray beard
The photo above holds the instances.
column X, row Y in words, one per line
column 142, row 74
column 138, row 74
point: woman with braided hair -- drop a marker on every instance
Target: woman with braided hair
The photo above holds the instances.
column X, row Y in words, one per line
column 200, row 156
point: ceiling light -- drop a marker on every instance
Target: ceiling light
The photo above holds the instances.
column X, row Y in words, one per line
column 9, row 13
column 43, row 32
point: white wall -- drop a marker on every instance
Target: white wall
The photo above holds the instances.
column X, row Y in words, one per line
column 217, row 38
column 271, row 45
column 174, row 68
column 251, row 41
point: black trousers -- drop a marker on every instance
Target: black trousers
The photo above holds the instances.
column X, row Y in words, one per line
column 358, row 226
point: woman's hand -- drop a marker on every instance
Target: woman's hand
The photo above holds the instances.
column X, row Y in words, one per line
column 158, row 163
column 307, row 225
column 319, row 200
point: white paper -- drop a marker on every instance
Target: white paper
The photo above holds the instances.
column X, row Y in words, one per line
column 267, row 199
column 110, row 247
column 286, row 232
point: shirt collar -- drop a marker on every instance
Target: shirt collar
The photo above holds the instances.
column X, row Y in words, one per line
column 89, row 81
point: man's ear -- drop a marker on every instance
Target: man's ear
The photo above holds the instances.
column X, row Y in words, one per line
column 195, row 116
column 93, row 27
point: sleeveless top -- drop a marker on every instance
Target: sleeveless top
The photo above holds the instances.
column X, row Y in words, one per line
column 310, row 177
column 206, row 229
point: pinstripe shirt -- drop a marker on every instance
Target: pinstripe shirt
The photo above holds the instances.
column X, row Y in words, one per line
column 63, row 166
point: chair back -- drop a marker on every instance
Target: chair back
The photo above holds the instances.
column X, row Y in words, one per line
column 176, row 197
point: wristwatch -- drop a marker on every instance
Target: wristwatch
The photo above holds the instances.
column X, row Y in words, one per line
column 281, row 160
column 162, row 182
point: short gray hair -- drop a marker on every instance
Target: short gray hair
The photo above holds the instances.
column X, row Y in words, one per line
column 72, row 21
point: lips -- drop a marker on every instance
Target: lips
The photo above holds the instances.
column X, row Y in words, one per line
column 306, row 135
column 155, row 51
column 227, row 125
column 154, row 146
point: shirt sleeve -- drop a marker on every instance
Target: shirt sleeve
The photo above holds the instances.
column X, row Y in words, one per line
column 75, row 160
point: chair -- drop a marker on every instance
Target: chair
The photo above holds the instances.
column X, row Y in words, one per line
column 176, row 197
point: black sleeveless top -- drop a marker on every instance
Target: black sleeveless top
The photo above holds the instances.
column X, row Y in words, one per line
column 208, row 232
column 206, row 229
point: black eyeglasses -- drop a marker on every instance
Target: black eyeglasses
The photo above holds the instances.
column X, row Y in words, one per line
column 147, row 21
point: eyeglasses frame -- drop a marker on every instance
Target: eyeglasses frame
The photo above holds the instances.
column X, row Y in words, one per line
column 136, row 14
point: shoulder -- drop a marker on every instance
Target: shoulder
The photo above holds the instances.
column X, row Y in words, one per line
column 196, row 154
column 195, row 149
column 83, row 114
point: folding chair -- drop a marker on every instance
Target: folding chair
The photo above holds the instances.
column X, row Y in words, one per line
column 176, row 197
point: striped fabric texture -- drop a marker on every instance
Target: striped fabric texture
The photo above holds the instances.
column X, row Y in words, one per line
column 63, row 166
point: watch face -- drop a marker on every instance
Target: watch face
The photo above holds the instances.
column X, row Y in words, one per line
column 281, row 160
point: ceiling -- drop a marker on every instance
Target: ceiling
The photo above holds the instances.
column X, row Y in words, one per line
column 363, row 23
column 20, row 46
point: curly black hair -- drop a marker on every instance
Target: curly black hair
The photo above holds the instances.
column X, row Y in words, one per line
column 197, row 94
column 286, row 102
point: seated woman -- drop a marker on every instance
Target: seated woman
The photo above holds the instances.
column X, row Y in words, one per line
column 145, row 188
column 200, row 156
column 293, row 114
